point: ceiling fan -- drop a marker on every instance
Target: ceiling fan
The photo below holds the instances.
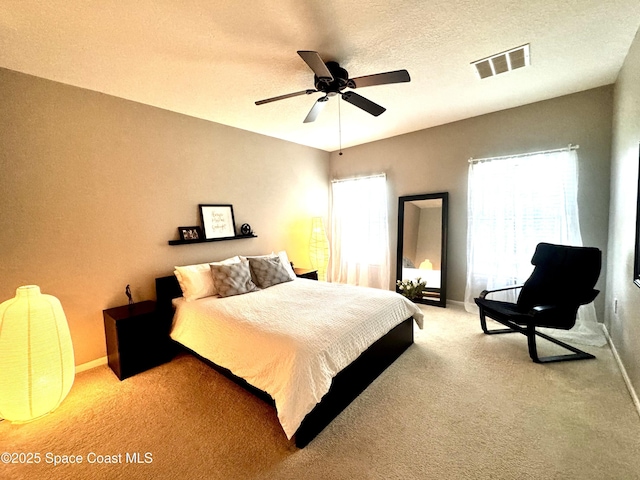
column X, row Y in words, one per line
column 331, row 79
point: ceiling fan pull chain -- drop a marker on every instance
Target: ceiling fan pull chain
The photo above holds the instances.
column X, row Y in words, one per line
column 339, row 129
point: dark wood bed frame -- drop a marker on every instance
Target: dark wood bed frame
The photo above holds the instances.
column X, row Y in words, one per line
column 346, row 385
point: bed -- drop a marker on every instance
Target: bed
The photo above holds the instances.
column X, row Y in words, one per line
column 325, row 358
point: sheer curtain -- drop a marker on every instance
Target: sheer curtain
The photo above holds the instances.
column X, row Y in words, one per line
column 360, row 232
column 513, row 204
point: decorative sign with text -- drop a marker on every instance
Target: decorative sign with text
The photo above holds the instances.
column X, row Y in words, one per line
column 217, row 221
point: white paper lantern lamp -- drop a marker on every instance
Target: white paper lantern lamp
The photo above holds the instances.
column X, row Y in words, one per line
column 37, row 366
column 319, row 248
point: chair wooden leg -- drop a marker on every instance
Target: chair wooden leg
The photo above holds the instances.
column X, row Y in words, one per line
column 533, row 351
column 483, row 324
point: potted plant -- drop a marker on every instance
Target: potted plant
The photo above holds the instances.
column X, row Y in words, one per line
column 411, row 288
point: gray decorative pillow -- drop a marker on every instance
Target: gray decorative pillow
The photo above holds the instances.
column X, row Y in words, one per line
column 233, row 279
column 268, row 271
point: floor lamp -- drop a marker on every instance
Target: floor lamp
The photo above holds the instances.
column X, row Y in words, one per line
column 319, row 248
column 36, row 355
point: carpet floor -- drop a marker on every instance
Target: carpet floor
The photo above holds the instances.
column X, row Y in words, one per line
column 456, row 405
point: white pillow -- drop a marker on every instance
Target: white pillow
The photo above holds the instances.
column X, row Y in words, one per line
column 287, row 265
column 196, row 281
column 268, row 255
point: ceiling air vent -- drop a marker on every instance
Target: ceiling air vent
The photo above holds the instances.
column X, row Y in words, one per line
column 503, row 62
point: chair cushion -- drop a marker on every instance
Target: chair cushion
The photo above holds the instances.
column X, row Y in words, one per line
column 563, row 275
column 504, row 311
column 552, row 317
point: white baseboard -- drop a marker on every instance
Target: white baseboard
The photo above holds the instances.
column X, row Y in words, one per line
column 627, row 380
column 92, row 364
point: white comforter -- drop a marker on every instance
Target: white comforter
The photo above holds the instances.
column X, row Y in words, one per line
column 291, row 339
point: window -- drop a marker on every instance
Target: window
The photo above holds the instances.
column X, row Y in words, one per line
column 360, row 232
column 514, row 203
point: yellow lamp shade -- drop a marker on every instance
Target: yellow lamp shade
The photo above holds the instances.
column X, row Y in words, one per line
column 426, row 265
column 37, row 366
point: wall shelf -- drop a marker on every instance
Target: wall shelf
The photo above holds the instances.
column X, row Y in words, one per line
column 188, row 242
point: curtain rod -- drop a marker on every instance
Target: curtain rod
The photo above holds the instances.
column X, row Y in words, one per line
column 358, row 178
column 504, row 157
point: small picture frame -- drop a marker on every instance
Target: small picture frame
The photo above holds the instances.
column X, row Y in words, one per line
column 217, row 221
column 190, row 234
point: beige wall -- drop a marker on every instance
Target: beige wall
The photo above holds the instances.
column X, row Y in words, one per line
column 94, row 186
column 624, row 326
column 436, row 160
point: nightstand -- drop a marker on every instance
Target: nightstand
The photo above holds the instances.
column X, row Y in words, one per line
column 306, row 273
column 137, row 338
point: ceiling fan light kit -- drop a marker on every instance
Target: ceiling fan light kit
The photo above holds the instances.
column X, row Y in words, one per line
column 331, row 79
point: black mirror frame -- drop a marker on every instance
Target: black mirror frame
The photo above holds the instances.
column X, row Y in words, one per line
column 636, row 260
column 444, row 196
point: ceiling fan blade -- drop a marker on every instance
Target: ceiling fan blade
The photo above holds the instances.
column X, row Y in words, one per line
column 282, row 97
column 316, row 64
column 397, row 76
column 363, row 103
column 316, row 109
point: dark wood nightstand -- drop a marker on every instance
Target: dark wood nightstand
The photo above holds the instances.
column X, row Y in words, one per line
column 306, row 273
column 137, row 338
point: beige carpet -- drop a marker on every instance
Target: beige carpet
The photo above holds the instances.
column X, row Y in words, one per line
column 457, row 405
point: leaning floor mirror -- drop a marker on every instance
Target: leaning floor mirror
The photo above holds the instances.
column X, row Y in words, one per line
column 422, row 245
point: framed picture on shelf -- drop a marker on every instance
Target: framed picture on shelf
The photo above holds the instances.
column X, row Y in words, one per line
column 217, row 221
column 190, row 233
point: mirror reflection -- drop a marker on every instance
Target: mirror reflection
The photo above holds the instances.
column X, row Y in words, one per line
column 421, row 245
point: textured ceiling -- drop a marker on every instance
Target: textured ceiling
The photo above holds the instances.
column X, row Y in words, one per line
column 213, row 59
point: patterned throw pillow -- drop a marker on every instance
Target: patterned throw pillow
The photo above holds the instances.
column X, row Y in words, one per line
column 268, row 271
column 233, row 279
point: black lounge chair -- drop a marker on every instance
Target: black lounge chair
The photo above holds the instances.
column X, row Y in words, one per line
column 562, row 281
